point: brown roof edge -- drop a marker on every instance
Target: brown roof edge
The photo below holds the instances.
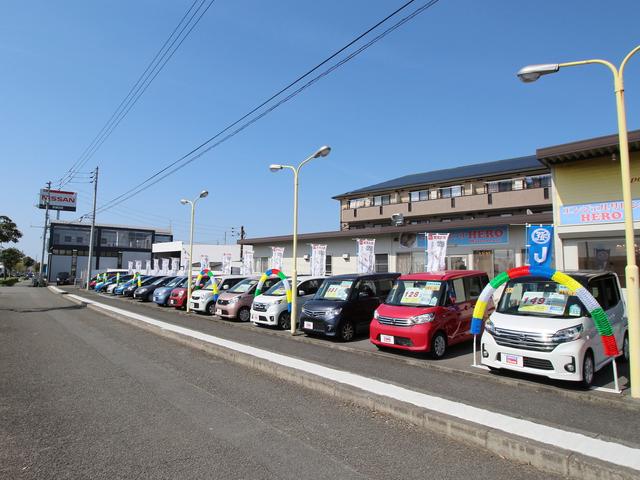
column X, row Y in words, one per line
column 536, row 218
column 583, row 149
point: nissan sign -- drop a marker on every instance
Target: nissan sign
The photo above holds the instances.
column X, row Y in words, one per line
column 58, row 200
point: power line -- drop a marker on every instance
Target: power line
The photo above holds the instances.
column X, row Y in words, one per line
column 188, row 158
column 137, row 90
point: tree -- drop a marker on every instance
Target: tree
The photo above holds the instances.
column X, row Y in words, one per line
column 10, row 258
column 28, row 261
column 8, row 230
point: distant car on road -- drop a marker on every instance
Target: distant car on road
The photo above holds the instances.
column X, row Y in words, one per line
column 130, row 290
column 161, row 294
column 145, row 293
column 204, row 301
column 178, row 297
column 64, row 278
column 236, row 302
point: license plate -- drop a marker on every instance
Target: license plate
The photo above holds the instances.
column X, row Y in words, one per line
column 512, row 360
column 218, row 311
column 387, row 339
column 308, row 325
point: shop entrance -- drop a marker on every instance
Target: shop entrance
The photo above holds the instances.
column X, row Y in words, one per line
column 483, row 260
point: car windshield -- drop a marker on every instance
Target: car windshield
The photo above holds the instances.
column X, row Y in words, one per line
column 540, row 298
column 158, row 281
column 277, row 290
column 175, row 282
column 209, row 284
column 334, row 290
column 244, row 286
column 415, row 293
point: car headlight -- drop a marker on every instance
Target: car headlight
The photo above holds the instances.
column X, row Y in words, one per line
column 490, row 327
column 568, row 334
column 424, row 318
column 181, row 293
column 376, row 315
column 334, row 312
column 234, row 300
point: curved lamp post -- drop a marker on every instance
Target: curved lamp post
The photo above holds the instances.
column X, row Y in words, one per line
column 321, row 152
column 531, row 73
column 193, row 202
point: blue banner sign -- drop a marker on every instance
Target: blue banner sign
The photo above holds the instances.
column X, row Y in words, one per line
column 463, row 237
column 591, row 213
column 540, row 243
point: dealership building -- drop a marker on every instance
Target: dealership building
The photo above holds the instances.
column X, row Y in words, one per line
column 114, row 246
column 484, row 207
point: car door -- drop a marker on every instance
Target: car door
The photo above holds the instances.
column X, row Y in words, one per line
column 310, row 287
column 473, row 287
column 457, row 310
column 366, row 301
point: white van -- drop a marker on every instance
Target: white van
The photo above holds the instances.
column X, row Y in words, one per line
column 540, row 327
column 202, row 301
column 270, row 308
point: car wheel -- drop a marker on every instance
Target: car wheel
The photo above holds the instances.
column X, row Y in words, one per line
column 150, row 297
column 211, row 308
column 244, row 314
column 347, row 331
column 625, row 348
column 438, row 346
column 588, row 369
column 284, row 320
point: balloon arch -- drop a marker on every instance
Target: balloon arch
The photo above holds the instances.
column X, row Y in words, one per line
column 214, row 284
column 285, row 281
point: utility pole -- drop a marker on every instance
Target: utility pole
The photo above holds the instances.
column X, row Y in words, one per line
column 93, row 225
column 242, row 235
column 44, row 234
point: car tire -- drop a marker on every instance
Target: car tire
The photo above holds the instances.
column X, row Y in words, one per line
column 211, row 308
column 624, row 358
column 347, row 331
column 588, row 369
column 149, row 297
column 284, row 320
column 244, row 314
column 438, row 346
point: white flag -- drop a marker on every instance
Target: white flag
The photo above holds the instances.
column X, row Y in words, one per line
column 366, row 255
column 156, row 266
column 276, row 258
column 226, row 264
column 247, row 261
column 130, row 267
column 138, row 266
column 175, row 265
column 165, row 266
column 436, row 251
column 204, row 262
column 148, row 267
column 318, row 260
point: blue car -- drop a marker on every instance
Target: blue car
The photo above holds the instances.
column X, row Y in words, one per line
column 102, row 286
column 119, row 290
column 161, row 295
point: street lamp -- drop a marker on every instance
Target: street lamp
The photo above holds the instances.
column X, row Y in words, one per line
column 321, row 152
column 193, row 202
column 531, row 73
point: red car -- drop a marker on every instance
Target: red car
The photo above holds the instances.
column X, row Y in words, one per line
column 428, row 311
column 178, row 296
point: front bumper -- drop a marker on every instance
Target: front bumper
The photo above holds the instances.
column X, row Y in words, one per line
column 327, row 326
column 270, row 317
column 198, row 305
column 555, row 364
column 413, row 338
column 229, row 310
column 177, row 302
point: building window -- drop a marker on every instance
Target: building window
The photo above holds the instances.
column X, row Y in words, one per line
column 503, row 260
column 500, row 186
column 262, row 264
column 604, row 254
column 162, row 238
column 358, row 202
column 382, row 262
column 448, row 192
column 538, row 181
column 418, row 195
column 382, row 200
column 328, row 265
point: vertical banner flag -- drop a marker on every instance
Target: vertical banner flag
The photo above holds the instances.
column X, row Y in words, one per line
column 175, row 265
column 130, row 267
column 165, row 266
column 204, row 262
column 366, row 255
column 138, row 266
column 436, row 251
column 276, row 258
column 156, row 266
column 318, row 260
column 247, row 261
column 148, row 266
column 540, row 243
column 226, row 264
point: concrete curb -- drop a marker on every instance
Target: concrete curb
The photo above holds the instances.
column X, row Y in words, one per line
column 583, row 396
column 509, row 446
column 57, row 290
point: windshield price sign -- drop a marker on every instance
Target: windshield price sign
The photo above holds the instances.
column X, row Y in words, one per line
column 543, row 302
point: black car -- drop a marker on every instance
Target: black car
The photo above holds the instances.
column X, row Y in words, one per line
column 344, row 304
column 145, row 293
column 130, row 290
column 64, row 278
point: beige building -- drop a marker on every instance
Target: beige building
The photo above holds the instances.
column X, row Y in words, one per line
column 587, row 202
column 484, row 208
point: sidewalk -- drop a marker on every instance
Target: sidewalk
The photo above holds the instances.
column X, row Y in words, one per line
column 594, row 414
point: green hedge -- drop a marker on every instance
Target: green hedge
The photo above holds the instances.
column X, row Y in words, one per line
column 9, row 282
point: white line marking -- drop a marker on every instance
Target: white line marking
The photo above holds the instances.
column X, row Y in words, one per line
column 592, row 447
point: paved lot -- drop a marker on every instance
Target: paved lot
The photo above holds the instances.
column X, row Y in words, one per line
column 592, row 413
column 85, row 396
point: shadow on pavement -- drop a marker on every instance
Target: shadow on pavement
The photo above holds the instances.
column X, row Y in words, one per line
column 43, row 309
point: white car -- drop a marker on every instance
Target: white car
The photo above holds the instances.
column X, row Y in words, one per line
column 204, row 301
column 540, row 327
column 271, row 307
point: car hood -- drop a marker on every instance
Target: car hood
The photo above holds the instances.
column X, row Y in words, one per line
column 163, row 290
column 229, row 296
column 537, row 324
column 269, row 299
column 404, row 311
column 202, row 293
column 322, row 305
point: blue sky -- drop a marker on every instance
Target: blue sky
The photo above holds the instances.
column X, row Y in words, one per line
column 439, row 92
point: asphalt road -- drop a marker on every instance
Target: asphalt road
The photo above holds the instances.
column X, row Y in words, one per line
column 85, row 396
